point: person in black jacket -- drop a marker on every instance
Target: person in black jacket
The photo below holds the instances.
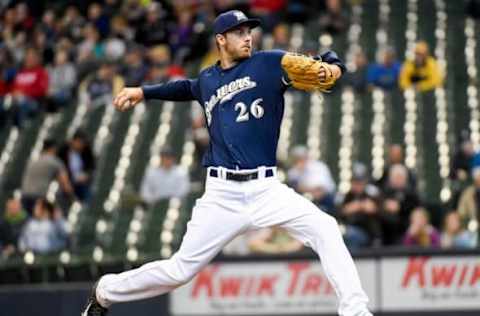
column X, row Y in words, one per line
column 78, row 157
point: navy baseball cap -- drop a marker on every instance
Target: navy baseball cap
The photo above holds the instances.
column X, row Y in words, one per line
column 231, row 19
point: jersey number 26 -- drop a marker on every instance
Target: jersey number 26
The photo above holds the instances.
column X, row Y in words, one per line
column 255, row 109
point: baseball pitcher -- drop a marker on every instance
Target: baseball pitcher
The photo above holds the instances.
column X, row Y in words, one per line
column 242, row 96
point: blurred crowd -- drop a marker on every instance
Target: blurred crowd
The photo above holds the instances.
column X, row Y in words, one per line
column 55, row 55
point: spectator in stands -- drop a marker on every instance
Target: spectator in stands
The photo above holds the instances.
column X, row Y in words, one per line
column 398, row 202
column 360, row 211
column 182, row 35
column 40, row 173
column 269, row 11
column 281, row 37
column 30, row 87
column 334, row 20
column 420, row 232
column 46, row 232
column 7, row 74
column 39, row 41
column 11, row 225
column 134, row 11
column 299, row 11
column 212, row 55
column 356, row 76
column 120, row 29
column 312, row 177
column 423, row 73
column 201, row 138
column 385, row 73
column 396, row 157
column 97, row 89
column 134, row 68
column 63, row 80
column 89, row 49
column 156, row 27
column 71, row 23
column 161, row 69
column 454, row 235
column 273, row 240
column 77, row 155
column 98, row 19
column 462, row 161
column 164, row 181
column 468, row 206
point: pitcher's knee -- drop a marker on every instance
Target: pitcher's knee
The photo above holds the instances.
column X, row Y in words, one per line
column 183, row 270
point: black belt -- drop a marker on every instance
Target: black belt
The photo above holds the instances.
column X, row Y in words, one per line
column 241, row 177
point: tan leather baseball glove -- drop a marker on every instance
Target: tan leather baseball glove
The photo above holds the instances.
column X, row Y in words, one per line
column 304, row 73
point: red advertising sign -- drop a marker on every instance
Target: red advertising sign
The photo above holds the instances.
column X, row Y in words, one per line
column 262, row 288
column 431, row 283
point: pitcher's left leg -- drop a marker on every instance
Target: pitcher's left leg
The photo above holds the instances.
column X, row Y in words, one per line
column 320, row 231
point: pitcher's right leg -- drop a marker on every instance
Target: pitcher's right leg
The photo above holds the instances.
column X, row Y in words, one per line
column 211, row 227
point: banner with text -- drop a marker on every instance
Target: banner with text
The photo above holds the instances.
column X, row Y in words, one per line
column 430, row 283
column 298, row 287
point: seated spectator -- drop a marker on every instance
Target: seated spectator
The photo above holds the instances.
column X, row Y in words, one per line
column 281, row 37
column 71, row 23
column 63, row 80
column 385, row 73
column 40, row 173
column 268, row 11
column 420, row 232
column 201, row 137
column 164, row 181
column 360, row 211
column 454, row 235
column 7, row 74
column 29, row 88
column 356, row 76
column 461, row 167
column 46, row 232
column 468, row 205
column 134, row 68
column 156, row 26
column 212, row 55
column 97, row 89
column 181, row 35
column 463, row 160
column 273, row 240
column 398, row 202
column 99, row 19
column 77, row 155
column 334, row 20
column 423, row 73
column 159, row 58
column 396, row 157
column 312, row 177
column 11, row 225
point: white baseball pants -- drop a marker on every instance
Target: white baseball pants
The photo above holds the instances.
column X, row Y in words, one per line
column 229, row 208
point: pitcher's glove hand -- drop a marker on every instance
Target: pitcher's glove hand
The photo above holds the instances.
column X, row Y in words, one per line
column 307, row 73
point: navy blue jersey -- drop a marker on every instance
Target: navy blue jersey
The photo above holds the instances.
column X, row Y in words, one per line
column 243, row 107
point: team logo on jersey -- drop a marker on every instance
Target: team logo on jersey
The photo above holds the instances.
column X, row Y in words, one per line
column 227, row 92
column 239, row 15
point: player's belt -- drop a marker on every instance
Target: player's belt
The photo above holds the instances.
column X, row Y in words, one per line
column 241, row 177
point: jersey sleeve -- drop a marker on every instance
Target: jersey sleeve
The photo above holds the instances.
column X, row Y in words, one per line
column 273, row 61
column 180, row 90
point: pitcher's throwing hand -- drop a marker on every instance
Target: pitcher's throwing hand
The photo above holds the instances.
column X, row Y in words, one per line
column 128, row 98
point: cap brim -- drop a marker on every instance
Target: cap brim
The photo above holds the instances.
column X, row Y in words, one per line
column 253, row 23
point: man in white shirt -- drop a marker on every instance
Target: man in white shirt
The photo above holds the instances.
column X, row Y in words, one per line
column 164, row 181
column 312, row 177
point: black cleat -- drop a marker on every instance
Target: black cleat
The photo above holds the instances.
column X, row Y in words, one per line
column 93, row 307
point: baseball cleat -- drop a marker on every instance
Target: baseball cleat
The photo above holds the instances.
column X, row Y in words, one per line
column 93, row 307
